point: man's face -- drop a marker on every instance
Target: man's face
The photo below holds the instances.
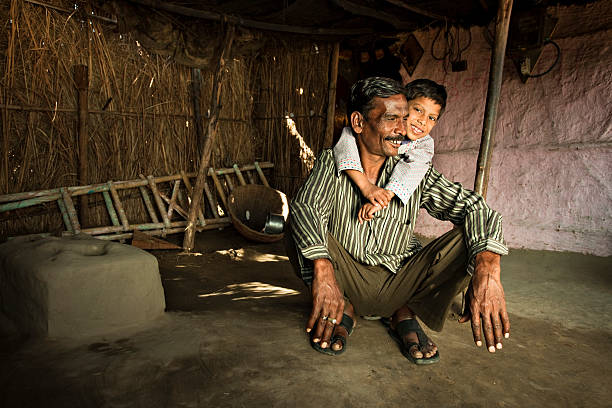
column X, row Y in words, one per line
column 423, row 115
column 382, row 132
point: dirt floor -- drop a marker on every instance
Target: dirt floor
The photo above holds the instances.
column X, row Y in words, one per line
column 233, row 336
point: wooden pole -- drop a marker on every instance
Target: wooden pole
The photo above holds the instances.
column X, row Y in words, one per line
column 196, row 86
column 331, row 97
column 209, row 138
column 494, row 91
column 81, row 80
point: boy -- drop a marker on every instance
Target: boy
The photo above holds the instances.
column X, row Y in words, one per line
column 426, row 102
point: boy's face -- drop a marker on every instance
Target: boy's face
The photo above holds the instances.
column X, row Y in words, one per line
column 423, row 115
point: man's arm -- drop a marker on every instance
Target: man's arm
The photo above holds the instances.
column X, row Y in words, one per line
column 310, row 211
column 484, row 240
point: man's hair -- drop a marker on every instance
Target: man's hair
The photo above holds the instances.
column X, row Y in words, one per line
column 428, row 89
column 364, row 91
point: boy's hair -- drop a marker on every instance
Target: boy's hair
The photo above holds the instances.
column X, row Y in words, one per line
column 364, row 91
column 428, row 89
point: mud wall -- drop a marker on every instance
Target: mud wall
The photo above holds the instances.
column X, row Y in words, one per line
column 551, row 164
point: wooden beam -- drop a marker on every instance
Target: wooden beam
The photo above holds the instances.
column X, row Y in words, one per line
column 216, row 16
column 493, row 93
column 81, row 80
column 360, row 10
column 418, row 10
column 331, row 95
column 209, row 138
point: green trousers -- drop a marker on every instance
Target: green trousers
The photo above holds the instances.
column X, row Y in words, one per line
column 427, row 283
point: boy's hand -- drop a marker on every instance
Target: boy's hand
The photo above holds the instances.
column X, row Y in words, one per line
column 377, row 195
column 366, row 213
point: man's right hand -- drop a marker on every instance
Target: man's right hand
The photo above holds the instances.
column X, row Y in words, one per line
column 327, row 302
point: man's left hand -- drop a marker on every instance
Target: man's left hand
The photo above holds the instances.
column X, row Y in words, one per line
column 487, row 302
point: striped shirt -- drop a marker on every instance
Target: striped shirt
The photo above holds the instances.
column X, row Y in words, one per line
column 328, row 203
column 408, row 172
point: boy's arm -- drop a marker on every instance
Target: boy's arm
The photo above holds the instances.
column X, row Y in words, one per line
column 409, row 172
column 346, row 156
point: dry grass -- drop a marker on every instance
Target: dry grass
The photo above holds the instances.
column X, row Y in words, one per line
column 148, row 126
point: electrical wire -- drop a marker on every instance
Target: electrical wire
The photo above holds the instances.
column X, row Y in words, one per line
column 553, row 64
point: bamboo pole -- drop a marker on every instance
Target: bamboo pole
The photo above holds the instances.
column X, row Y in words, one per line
column 493, row 93
column 119, row 185
column 119, row 206
column 196, row 85
column 81, row 80
column 72, row 215
column 219, row 187
column 239, row 176
column 261, row 174
column 158, row 200
column 189, row 191
column 209, row 138
column 331, row 95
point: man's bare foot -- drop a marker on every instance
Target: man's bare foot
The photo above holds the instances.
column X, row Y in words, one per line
column 418, row 350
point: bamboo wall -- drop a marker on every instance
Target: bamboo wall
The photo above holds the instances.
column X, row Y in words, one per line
column 148, row 126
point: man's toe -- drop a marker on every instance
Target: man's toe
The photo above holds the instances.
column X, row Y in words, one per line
column 416, row 352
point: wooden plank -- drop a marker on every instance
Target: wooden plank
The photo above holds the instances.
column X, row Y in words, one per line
column 72, row 214
column 146, row 241
column 119, row 206
column 109, row 207
column 239, row 175
column 261, row 174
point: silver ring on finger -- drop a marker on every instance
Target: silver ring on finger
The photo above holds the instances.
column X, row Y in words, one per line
column 324, row 318
column 333, row 321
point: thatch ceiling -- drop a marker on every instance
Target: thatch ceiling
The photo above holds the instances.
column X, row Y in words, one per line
column 184, row 28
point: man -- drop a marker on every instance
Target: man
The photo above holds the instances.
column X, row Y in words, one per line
column 377, row 267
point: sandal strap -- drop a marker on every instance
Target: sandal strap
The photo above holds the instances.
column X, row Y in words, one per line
column 408, row 326
column 348, row 323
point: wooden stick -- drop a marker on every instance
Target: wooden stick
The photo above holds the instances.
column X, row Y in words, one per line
column 250, row 177
column 211, row 200
column 81, row 80
column 239, row 175
column 62, row 207
column 228, row 180
column 119, row 206
column 148, row 204
column 96, row 188
column 189, row 192
column 172, row 204
column 72, row 214
column 210, row 135
column 261, row 175
column 219, row 188
column 158, row 201
column 29, row 202
column 331, row 96
column 109, row 207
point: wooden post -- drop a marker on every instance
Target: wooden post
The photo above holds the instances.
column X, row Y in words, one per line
column 331, row 97
column 81, row 80
column 196, row 86
column 493, row 93
column 209, row 138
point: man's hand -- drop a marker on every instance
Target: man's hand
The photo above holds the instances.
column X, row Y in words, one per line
column 327, row 303
column 366, row 213
column 377, row 195
column 487, row 302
